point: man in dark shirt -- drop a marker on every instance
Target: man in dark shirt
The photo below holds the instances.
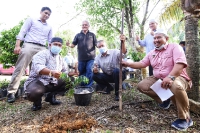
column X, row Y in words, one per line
column 86, row 42
column 182, row 44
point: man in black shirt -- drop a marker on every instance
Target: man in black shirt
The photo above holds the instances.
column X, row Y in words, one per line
column 86, row 42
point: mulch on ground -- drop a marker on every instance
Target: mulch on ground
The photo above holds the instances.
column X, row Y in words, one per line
column 140, row 115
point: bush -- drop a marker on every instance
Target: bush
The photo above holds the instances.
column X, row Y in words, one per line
column 137, row 56
column 7, row 45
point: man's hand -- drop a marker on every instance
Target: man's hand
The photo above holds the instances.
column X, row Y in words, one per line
column 73, row 73
column 17, row 49
column 152, row 33
column 122, row 38
column 95, row 69
column 56, row 74
column 125, row 64
column 67, row 43
column 166, row 83
column 137, row 38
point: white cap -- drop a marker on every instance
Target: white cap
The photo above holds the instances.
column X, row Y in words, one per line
column 161, row 31
column 152, row 21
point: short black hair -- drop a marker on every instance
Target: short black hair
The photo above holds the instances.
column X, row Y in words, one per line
column 45, row 8
column 182, row 42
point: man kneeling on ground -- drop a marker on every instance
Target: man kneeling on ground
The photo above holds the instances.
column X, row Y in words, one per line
column 169, row 64
column 108, row 61
column 47, row 66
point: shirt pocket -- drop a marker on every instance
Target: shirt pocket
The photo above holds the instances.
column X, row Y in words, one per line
column 167, row 60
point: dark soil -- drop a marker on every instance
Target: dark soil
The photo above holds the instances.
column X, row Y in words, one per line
column 140, row 114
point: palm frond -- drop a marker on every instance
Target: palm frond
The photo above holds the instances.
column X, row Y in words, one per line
column 171, row 12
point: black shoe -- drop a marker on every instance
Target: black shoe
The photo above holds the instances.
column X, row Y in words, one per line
column 11, row 98
column 36, row 107
column 52, row 99
column 108, row 89
column 116, row 98
column 111, row 87
column 98, row 89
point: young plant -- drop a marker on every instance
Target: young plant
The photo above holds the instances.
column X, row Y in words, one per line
column 4, row 84
column 72, row 84
column 22, row 83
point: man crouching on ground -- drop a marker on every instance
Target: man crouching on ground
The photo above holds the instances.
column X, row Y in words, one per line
column 169, row 64
column 108, row 61
column 47, row 66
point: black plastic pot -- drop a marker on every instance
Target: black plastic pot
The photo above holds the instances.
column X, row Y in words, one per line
column 83, row 99
column 19, row 92
column 3, row 92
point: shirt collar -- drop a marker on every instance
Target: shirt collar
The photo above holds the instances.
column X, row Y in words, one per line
column 83, row 32
column 166, row 45
column 41, row 21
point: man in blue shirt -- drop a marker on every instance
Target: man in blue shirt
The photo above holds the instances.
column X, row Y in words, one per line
column 148, row 40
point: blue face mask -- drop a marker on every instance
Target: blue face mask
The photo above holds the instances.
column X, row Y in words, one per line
column 55, row 49
column 102, row 50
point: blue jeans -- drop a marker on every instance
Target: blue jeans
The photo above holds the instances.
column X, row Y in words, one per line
column 85, row 69
column 103, row 79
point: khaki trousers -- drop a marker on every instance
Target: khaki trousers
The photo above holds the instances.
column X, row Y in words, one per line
column 25, row 57
column 178, row 88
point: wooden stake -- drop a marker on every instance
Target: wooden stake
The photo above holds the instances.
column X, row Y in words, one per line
column 120, row 70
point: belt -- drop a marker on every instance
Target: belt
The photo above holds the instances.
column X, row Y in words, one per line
column 37, row 44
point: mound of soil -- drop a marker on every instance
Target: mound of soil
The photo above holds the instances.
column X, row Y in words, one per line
column 67, row 120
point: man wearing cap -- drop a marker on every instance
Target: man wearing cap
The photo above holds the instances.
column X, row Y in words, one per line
column 47, row 66
column 148, row 40
column 169, row 64
column 35, row 33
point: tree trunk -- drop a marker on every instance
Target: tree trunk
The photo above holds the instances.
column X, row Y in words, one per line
column 192, row 54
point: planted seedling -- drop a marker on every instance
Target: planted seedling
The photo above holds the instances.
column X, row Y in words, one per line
column 73, row 84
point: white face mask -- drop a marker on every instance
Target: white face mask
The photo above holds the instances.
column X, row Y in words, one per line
column 160, row 48
column 102, row 50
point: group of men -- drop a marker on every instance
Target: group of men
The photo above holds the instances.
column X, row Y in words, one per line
column 167, row 62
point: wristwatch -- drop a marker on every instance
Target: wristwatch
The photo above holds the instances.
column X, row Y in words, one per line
column 171, row 77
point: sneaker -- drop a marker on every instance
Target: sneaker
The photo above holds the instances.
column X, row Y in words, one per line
column 182, row 124
column 11, row 98
column 166, row 104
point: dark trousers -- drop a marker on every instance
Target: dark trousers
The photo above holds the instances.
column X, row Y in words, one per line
column 35, row 90
column 85, row 69
column 150, row 70
column 103, row 79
